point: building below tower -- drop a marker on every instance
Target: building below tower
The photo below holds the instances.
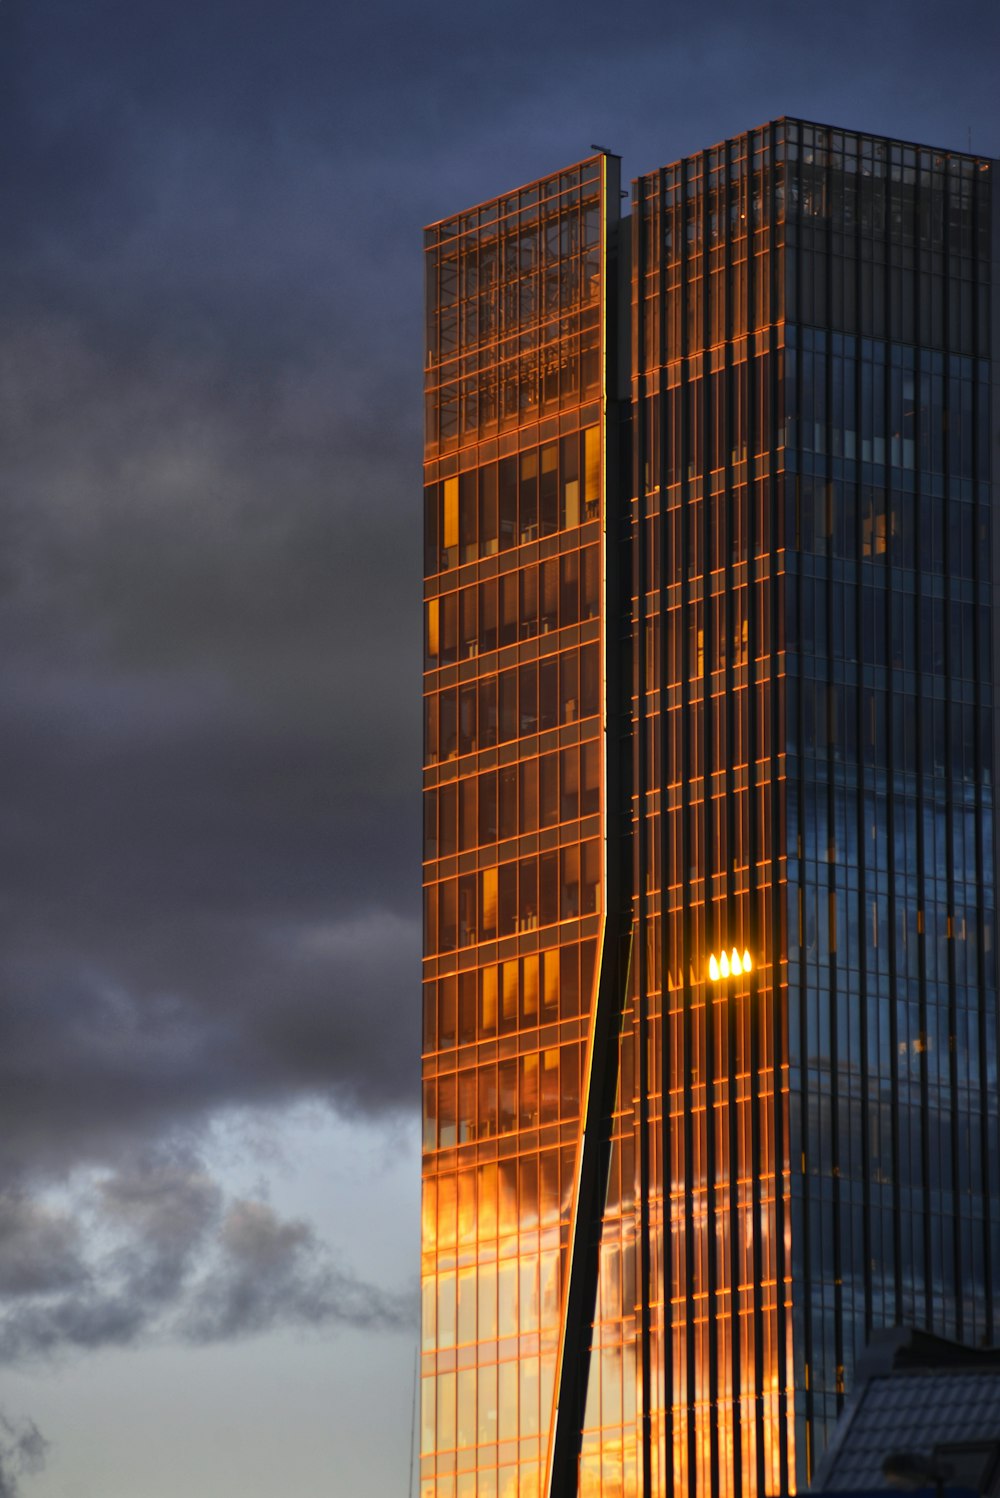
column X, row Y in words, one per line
column 710, row 989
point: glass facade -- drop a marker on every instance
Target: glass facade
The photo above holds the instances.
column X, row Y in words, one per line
column 515, row 784
column 710, row 996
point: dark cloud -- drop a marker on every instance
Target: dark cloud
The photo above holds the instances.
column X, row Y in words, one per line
column 210, row 730
column 167, row 1256
column 22, row 1453
column 147, row 1028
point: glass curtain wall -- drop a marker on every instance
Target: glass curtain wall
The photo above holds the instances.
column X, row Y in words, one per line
column 813, row 752
column 513, row 797
column 710, row 991
column 889, row 741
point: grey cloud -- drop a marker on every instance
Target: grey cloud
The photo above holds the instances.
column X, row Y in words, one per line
column 23, row 1450
column 181, row 1262
column 273, row 1272
column 32, row 1330
column 152, row 1217
column 40, row 1250
column 136, row 1031
column 165, row 1215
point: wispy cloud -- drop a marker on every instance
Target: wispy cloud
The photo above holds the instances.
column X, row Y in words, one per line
column 22, row 1453
column 168, row 1255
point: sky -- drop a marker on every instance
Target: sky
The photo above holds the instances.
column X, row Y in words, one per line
column 210, row 412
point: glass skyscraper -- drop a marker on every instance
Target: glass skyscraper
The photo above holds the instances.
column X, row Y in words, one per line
column 710, row 990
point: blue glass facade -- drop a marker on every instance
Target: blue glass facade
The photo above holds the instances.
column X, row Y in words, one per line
column 889, row 740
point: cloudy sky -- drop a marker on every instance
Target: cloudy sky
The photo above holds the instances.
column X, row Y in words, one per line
column 209, row 499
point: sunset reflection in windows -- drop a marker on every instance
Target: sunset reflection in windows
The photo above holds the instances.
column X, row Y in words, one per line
column 514, row 725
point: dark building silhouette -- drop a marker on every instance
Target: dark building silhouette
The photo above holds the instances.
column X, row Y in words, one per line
column 710, row 999
column 924, row 1416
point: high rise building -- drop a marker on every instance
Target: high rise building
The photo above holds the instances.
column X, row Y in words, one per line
column 710, row 997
